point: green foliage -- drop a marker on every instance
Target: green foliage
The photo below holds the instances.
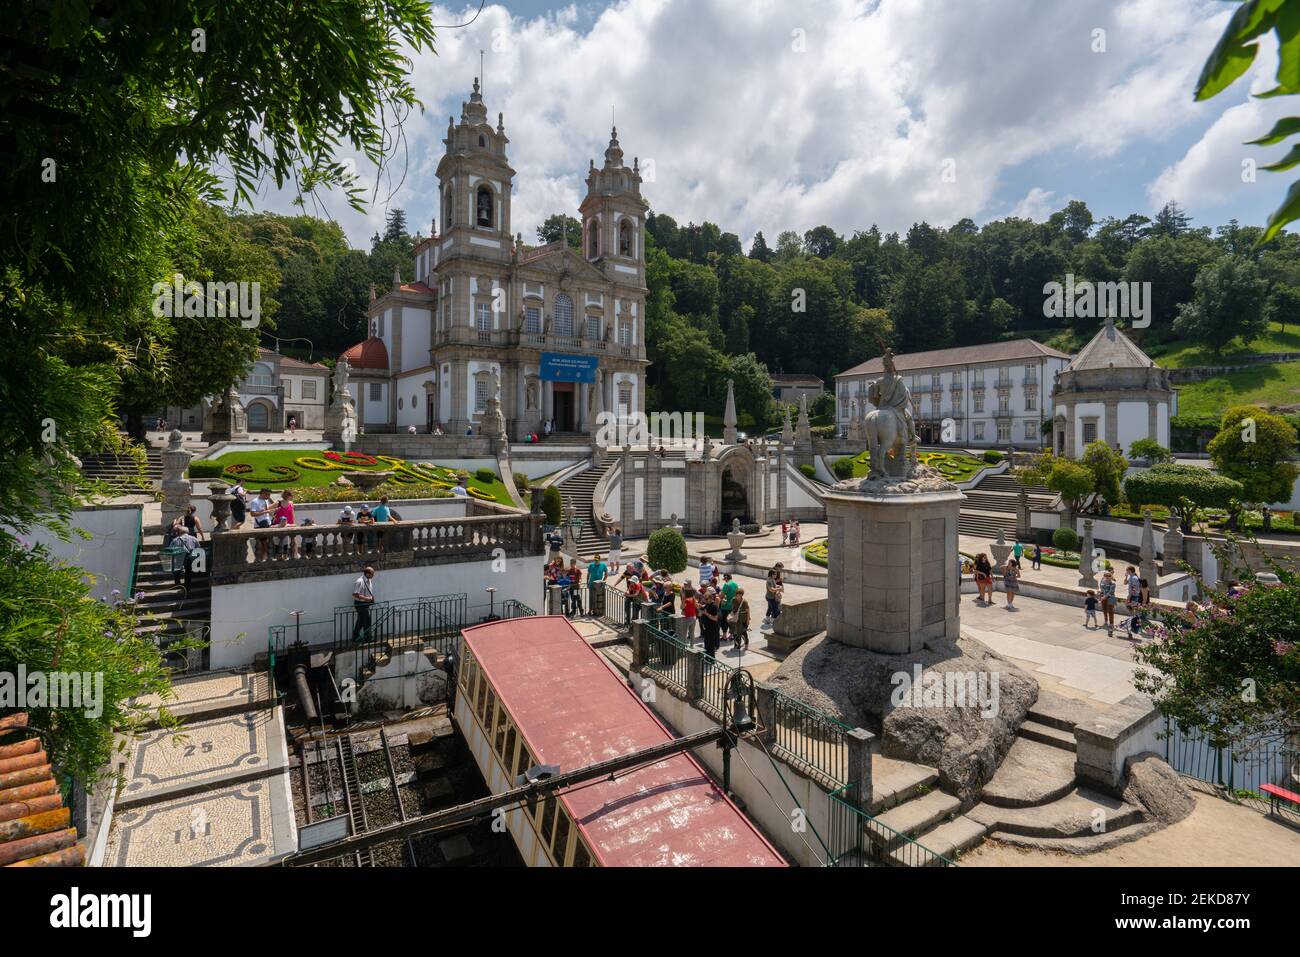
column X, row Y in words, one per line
column 1255, row 448
column 1150, row 450
column 346, row 493
column 1228, row 303
column 1233, row 55
column 992, row 456
column 1200, row 670
column 667, row 549
column 843, row 468
column 1107, row 467
column 205, row 469
column 485, row 475
column 1066, row 539
column 1071, row 480
column 521, row 483
column 552, row 505
column 811, row 472
column 1169, row 484
column 51, row 622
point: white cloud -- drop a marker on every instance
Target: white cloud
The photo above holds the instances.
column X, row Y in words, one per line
column 749, row 132
column 1036, row 205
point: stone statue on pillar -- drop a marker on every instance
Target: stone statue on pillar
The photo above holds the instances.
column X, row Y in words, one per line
column 889, row 430
column 787, row 430
column 1173, row 545
column 341, row 416
column 729, row 415
column 803, row 453
column 1147, row 553
column 176, row 487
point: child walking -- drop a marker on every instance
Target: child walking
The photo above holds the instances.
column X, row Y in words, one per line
column 1090, row 610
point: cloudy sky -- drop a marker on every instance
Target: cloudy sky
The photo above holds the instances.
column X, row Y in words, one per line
column 784, row 114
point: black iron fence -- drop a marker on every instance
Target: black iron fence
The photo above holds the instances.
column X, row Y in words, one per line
column 666, row 656
column 1238, row 773
column 434, row 622
column 856, row 839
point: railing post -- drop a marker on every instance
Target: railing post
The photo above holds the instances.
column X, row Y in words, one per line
column 694, row 675
column 638, row 645
column 679, row 629
column 766, row 710
column 554, row 600
column 859, row 766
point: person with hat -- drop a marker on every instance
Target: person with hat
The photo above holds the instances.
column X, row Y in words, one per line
column 347, row 517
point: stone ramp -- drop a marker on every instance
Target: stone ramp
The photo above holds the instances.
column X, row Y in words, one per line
column 216, row 792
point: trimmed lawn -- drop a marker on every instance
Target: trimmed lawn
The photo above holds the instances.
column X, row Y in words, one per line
column 955, row 466
column 1182, row 355
column 296, row 468
column 1272, row 386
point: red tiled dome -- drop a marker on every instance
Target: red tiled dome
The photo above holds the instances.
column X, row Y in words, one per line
column 371, row 354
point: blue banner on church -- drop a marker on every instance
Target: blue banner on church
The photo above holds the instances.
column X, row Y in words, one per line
column 562, row 367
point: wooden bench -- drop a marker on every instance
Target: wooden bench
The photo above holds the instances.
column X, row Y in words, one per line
column 1276, row 794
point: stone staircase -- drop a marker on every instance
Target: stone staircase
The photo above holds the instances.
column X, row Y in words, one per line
column 121, row 469
column 1035, row 801
column 167, row 612
column 906, row 800
column 577, row 492
column 990, row 507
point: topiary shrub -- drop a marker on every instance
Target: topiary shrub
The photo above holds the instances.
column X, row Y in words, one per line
column 808, row 470
column 842, row 468
column 521, row 482
column 667, row 549
column 485, row 475
column 1168, row 485
column 993, row 456
column 1066, row 539
column 552, row 505
column 205, row 470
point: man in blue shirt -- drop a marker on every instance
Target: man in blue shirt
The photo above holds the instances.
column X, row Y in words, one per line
column 381, row 513
column 596, row 572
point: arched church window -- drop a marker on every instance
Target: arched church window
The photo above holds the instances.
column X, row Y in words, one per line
column 624, row 238
column 482, row 141
column 593, row 239
column 563, row 315
column 485, row 206
column 446, row 209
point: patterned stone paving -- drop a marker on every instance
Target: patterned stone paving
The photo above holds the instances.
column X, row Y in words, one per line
column 220, row 691
column 239, row 746
column 234, row 825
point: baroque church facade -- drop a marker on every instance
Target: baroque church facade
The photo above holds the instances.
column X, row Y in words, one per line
column 560, row 333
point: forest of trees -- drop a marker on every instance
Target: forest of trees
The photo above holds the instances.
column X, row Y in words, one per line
column 822, row 302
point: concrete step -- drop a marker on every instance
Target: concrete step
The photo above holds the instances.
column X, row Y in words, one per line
column 914, row 816
column 894, row 781
column 1080, row 813
column 1032, row 773
column 1047, row 734
column 1058, row 711
column 949, row 840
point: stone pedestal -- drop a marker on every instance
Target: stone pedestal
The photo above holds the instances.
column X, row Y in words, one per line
column 1001, row 552
column 229, row 422
column 1147, row 554
column 1024, row 525
column 1087, row 575
column 892, row 576
column 1173, row 545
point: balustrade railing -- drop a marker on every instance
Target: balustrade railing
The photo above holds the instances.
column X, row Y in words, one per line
column 298, row 546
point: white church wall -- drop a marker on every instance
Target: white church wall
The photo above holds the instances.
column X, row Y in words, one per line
column 416, row 324
column 672, row 496
column 1085, row 410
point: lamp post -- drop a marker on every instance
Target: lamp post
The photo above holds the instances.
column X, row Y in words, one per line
column 492, row 603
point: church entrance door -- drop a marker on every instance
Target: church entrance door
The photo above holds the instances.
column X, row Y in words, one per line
column 566, row 406
column 735, row 503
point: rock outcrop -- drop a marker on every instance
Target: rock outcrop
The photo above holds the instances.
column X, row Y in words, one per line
column 960, row 717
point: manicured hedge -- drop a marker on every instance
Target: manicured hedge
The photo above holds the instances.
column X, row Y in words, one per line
column 205, row 470
column 485, row 475
column 1168, row 484
column 1066, row 539
column 552, row 505
column 843, row 468
column 808, row 470
column 993, row 457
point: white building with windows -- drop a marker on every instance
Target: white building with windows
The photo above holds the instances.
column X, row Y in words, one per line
column 562, row 330
column 993, row 395
column 1111, row 390
column 276, row 389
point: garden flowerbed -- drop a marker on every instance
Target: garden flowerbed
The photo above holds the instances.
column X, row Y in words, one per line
column 288, row 468
column 954, row 466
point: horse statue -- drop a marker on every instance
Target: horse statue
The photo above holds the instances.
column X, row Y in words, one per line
column 888, row 427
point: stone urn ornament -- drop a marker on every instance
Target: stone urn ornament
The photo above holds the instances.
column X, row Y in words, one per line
column 735, row 538
column 1001, row 552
